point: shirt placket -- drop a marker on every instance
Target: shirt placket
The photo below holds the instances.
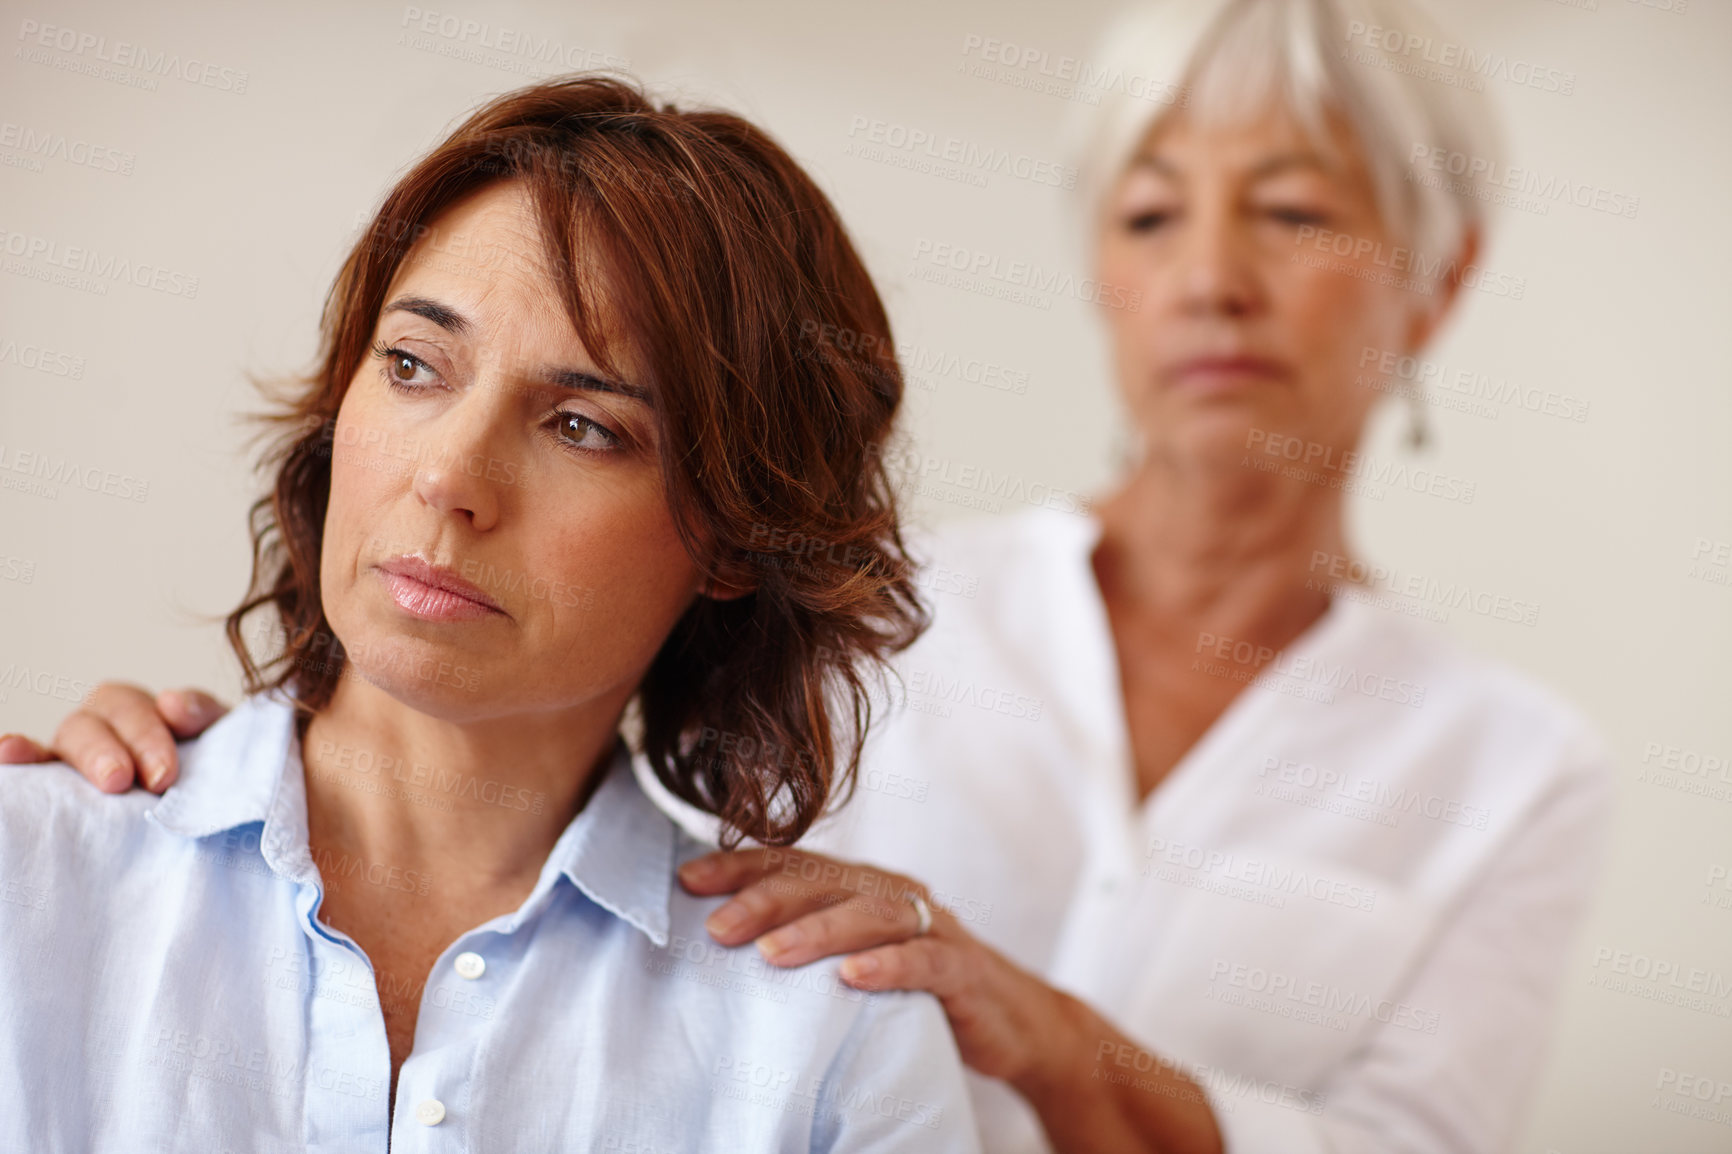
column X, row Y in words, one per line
column 435, row 1111
column 347, row 1079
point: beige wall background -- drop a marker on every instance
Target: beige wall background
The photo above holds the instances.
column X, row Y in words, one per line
column 253, row 176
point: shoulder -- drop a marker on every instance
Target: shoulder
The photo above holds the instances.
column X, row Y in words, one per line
column 1490, row 694
column 50, row 805
column 876, row 1070
column 1014, row 580
column 811, row 1002
column 985, row 543
column 1482, row 714
column 65, row 848
column 897, row 1080
column 55, row 823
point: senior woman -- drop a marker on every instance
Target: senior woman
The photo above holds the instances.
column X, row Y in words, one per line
column 1261, row 865
column 1247, row 863
column 410, row 894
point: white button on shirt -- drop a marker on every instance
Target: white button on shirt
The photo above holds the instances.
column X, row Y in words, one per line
column 165, row 984
column 1344, row 912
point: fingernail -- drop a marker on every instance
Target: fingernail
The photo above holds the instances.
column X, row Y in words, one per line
column 700, row 869
column 109, row 772
column 196, row 706
column 859, row 966
column 726, row 920
column 155, row 769
column 781, row 941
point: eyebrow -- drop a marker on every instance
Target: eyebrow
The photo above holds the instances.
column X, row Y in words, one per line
column 457, row 324
column 1263, row 169
column 444, row 316
column 1287, row 160
column 578, row 379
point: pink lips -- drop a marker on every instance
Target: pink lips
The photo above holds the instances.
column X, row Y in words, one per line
column 1221, row 374
column 434, row 594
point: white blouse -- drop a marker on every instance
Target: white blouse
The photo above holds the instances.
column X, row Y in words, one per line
column 1344, row 912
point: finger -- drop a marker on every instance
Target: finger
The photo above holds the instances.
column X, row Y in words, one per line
column 16, row 749
column 918, row 964
column 189, row 712
column 86, row 743
column 131, row 714
column 764, row 905
column 725, row 871
column 859, row 923
column 803, row 884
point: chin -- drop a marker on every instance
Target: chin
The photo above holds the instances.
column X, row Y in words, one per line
column 426, row 677
column 1221, row 433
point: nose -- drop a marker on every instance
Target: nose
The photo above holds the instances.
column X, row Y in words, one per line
column 1216, row 268
column 458, row 472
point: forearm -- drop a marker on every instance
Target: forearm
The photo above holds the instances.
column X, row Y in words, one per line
column 1098, row 1091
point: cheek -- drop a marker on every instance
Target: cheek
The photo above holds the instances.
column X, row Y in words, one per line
column 616, row 573
column 1328, row 321
column 368, row 472
column 1124, row 265
column 1134, row 332
column 1329, row 318
column 1112, row 258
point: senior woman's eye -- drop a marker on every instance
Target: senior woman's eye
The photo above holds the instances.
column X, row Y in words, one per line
column 1147, row 220
column 1293, row 214
column 583, row 434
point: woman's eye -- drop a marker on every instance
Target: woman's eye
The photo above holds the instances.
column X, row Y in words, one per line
column 1147, row 221
column 580, row 432
column 405, row 370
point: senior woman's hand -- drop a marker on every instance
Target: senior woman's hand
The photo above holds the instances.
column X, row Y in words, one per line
column 121, row 733
column 1092, row 1086
column 801, row 907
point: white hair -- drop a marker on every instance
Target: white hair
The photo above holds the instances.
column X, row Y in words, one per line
column 1377, row 64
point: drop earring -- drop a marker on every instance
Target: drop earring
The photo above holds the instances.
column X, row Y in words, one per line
column 1418, row 420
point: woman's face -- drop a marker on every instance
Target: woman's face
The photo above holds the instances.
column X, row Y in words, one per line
column 1250, row 324
column 498, row 540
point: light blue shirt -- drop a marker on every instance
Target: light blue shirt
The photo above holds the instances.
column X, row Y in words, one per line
column 166, row 984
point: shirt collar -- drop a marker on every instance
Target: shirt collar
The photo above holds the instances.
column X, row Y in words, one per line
column 619, row 851
column 230, row 775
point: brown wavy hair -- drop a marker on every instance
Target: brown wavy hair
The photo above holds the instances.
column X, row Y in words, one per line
column 772, row 457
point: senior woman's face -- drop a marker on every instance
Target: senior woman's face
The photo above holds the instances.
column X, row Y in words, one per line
column 1244, row 326
column 498, row 540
